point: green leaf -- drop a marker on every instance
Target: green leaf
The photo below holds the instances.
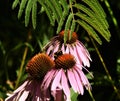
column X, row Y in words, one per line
column 96, row 7
column 21, row 9
column 95, row 24
column 73, row 95
column 48, row 12
column 34, row 14
column 64, row 5
column 15, row 3
column 57, row 7
column 61, row 22
column 72, row 28
column 50, row 6
column 90, row 30
column 91, row 14
column 27, row 12
column 67, row 26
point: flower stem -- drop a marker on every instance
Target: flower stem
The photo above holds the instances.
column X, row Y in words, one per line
column 23, row 60
column 111, row 13
column 91, row 95
column 105, row 68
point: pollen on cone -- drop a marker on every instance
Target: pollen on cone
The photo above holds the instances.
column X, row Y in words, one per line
column 65, row 61
column 73, row 39
column 38, row 66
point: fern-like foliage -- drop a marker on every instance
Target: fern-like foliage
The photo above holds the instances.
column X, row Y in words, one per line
column 87, row 13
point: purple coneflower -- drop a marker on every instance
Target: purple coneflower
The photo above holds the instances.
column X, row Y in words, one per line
column 37, row 67
column 65, row 75
column 72, row 46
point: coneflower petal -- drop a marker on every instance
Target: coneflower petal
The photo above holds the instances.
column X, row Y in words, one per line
column 72, row 80
column 56, row 81
column 21, row 87
column 83, row 78
column 79, row 82
column 63, row 48
column 73, row 51
column 82, row 56
column 83, row 49
column 67, row 49
column 48, row 78
column 65, row 85
column 24, row 96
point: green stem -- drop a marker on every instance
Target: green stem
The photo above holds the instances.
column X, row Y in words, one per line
column 21, row 67
column 105, row 68
column 111, row 13
column 23, row 61
column 91, row 95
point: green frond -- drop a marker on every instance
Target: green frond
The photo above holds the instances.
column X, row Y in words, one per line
column 64, row 5
column 27, row 12
column 53, row 10
column 72, row 28
column 100, row 9
column 34, row 14
column 22, row 7
column 90, row 30
column 67, row 26
column 57, row 7
column 95, row 24
column 96, row 7
column 64, row 14
column 91, row 14
column 90, row 3
column 60, row 24
column 48, row 11
column 15, row 3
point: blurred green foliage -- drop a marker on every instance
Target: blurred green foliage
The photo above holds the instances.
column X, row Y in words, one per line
column 15, row 38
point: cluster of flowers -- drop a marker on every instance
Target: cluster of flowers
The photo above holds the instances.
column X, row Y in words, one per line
column 52, row 73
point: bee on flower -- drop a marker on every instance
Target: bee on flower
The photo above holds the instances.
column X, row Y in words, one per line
column 72, row 46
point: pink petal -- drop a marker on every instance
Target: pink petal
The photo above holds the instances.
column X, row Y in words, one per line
column 67, row 49
column 72, row 80
column 65, row 85
column 21, row 87
column 55, row 49
column 84, row 79
column 24, row 96
column 82, row 56
column 79, row 82
column 49, row 49
column 78, row 61
column 63, row 48
column 80, row 44
column 56, row 80
column 47, row 79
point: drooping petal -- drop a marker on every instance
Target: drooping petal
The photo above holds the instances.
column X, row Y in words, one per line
column 72, row 80
column 55, row 49
column 65, row 86
column 56, row 80
column 83, row 78
column 82, row 56
column 63, row 48
column 47, row 79
column 83, row 48
column 79, row 82
column 73, row 52
column 67, row 49
column 24, row 96
column 21, row 87
column 49, row 49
